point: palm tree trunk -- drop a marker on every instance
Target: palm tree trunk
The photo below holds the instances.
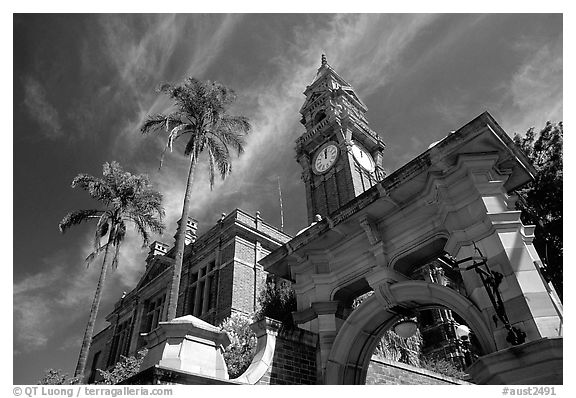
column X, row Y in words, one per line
column 88, row 334
column 180, row 244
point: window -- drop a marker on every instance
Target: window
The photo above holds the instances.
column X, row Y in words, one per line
column 319, row 117
column 93, row 368
column 153, row 308
column 211, row 292
column 201, row 290
column 120, row 342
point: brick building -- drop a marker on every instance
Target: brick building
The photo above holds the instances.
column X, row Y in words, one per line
column 220, row 275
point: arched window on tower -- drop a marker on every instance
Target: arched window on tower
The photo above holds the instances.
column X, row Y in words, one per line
column 320, row 115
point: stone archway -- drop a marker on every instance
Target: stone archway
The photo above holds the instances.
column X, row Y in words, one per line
column 348, row 360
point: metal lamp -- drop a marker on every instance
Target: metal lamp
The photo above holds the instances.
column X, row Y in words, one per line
column 491, row 281
column 405, row 327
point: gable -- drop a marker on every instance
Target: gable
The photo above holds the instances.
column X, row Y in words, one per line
column 158, row 266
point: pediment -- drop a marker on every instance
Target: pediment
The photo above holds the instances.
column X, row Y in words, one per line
column 158, row 265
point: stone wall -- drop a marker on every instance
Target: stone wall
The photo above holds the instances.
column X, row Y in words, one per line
column 384, row 371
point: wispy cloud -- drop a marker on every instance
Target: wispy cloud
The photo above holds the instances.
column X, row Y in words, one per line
column 208, row 41
column 49, row 302
column 536, row 90
column 367, row 47
column 137, row 53
column 41, row 110
column 42, row 303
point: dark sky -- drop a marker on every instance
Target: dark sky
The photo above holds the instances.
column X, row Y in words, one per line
column 82, row 85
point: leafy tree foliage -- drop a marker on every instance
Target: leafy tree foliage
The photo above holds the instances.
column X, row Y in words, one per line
column 239, row 354
column 442, row 366
column 277, row 301
column 541, row 199
column 125, row 368
column 399, row 349
column 200, row 115
column 124, row 198
column 56, row 377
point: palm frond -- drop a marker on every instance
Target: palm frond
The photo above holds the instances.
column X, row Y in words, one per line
column 148, row 202
column 219, row 155
column 153, row 123
column 177, row 132
column 194, row 145
column 118, row 233
column 232, row 130
column 76, row 217
column 146, row 221
column 143, row 225
column 95, row 254
column 116, row 257
column 102, row 228
column 96, row 187
column 211, row 163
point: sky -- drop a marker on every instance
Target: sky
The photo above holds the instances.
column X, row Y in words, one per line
column 83, row 83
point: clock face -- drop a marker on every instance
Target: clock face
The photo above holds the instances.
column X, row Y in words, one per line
column 325, row 158
column 363, row 158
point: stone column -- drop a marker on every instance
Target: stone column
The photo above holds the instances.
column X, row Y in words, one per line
column 323, row 318
column 498, row 233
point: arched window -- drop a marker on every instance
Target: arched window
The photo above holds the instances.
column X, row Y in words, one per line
column 320, row 115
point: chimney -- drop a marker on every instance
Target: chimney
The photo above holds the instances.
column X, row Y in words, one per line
column 191, row 228
column 157, row 248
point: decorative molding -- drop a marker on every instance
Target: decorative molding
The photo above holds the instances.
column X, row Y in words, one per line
column 384, row 294
column 371, row 229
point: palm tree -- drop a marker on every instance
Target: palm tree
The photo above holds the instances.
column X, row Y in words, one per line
column 199, row 114
column 126, row 198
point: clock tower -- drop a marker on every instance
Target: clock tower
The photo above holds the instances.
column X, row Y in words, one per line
column 340, row 155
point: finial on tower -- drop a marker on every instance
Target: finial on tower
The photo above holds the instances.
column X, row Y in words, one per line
column 324, row 62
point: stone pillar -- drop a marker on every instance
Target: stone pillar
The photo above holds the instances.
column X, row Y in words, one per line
column 324, row 319
column 328, row 326
column 496, row 229
column 187, row 344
